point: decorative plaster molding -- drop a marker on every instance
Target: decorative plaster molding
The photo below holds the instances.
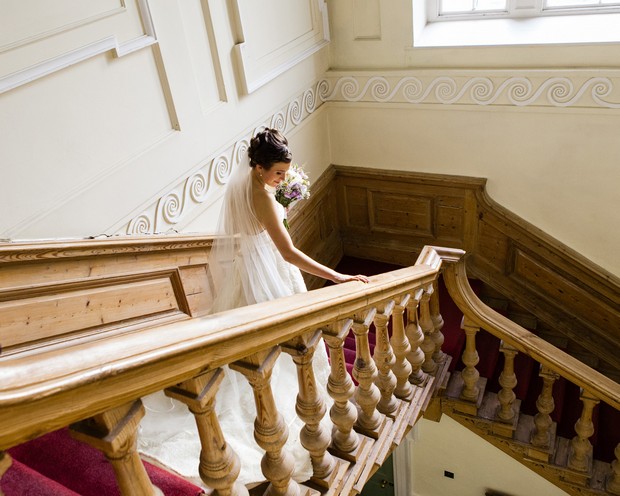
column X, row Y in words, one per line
column 199, row 187
column 53, row 64
column 256, row 73
column 530, row 89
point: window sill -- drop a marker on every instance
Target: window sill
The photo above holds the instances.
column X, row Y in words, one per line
column 549, row 30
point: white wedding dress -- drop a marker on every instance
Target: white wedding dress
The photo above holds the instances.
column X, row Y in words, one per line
column 256, row 273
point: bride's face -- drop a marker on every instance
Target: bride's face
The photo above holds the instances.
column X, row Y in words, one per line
column 275, row 175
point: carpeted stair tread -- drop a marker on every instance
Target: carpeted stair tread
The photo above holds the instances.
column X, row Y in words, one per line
column 21, row 480
column 85, row 470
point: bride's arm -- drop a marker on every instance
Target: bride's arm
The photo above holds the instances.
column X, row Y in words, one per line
column 266, row 212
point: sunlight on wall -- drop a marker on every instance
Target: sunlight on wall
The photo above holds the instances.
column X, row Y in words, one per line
column 476, row 464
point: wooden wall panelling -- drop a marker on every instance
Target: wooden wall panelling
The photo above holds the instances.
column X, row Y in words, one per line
column 558, row 286
column 52, row 292
column 389, row 216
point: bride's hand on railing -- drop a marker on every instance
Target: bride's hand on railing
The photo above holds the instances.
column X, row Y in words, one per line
column 340, row 278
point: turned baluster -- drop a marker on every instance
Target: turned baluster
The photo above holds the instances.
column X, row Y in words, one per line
column 426, row 323
column 541, row 437
column 385, row 360
column 270, row 431
column 219, row 465
column 365, row 372
column 508, row 381
column 416, row 337
column 115, row 433
column 437, row 336
column 5, row 463
column 579, row 457
column 470, row 374
column 310, row 406
column 341, row 388
column 400, row 344
column 613, row 482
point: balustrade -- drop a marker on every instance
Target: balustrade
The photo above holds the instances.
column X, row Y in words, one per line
column 367, row 394
column 402, row 349
column 311, row 407
column 115, row 433
column 437, row 336
column 541, row 436
column 341, row 389
column 580, row 454
column 613, row 481
column 470, row 374
column 428, row 328
column 508, row 381
column 219, row 465
column 416, row 337
column 399, row 368
column 385, row 360
column 270, row 431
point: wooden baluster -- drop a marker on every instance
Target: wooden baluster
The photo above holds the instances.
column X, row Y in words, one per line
column 115, row 433
column 613, row 481
column 400, row 344
column 508, row 381
column 219, row 465
column 341, row 388
column 437, row 336
column 580, row 455
column 5, row 463
column 541, row 437
column 385, row 360
column 470, row 374
column 416, row 337
column 270, row 431
column 365, row 372
column 426, row 323
column 311, row 407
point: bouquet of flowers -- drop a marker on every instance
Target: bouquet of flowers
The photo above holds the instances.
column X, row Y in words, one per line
column 296, row 186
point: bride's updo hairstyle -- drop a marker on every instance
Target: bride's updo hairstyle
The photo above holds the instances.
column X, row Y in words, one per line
column 269, row 147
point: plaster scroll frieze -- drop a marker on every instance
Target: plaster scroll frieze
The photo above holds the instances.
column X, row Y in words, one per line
column 204, row 185
column 521, row 91
column 102, row 39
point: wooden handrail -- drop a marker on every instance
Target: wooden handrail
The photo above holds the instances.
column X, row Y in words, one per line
column 52, row 386
column 457, row 283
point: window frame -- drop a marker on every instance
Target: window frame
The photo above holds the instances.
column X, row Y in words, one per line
column 516, row 9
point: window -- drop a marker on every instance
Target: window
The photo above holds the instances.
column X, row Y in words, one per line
column 514, row 22
column 460, row 9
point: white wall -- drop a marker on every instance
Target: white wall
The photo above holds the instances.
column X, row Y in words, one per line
column 434, row 447
column 540, row 122
column 127, row 117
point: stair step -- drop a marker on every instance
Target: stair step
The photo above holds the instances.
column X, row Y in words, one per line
column 21, row 480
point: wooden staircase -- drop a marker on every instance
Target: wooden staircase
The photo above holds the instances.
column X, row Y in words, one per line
column 91, row 376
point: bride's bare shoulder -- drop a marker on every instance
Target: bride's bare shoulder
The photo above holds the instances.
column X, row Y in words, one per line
column 264, row 202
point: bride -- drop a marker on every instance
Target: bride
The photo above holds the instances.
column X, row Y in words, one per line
column 253, row 261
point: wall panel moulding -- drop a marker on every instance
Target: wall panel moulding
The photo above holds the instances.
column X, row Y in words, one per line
column 204, row 185
column 268, row 48
column 66, row 32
